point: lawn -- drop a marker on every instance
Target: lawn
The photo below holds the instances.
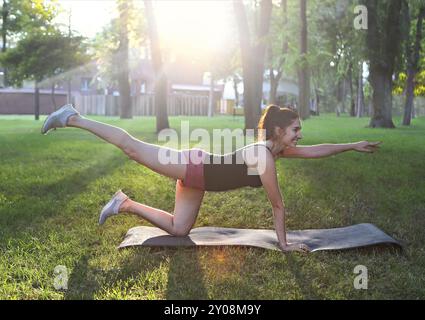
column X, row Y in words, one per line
column 53, row 187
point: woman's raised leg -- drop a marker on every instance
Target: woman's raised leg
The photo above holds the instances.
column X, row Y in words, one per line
column 144, row 153
column 186, row 209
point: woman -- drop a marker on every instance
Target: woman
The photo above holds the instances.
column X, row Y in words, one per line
column 202, row 171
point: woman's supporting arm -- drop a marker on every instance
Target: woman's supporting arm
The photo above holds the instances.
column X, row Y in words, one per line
column 279, row 225
column 271, row 185
column 325, row 150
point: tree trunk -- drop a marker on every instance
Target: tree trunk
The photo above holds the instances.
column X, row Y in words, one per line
column 246, row 55
column 53, row 96
column 412, row 66
column 36, row 101
column 211, row 97
column 235, row 88
column 410, row 87
column 161, row 89
column 360, row 93
column 259, row 46
column 339, row 98
column 68, row 77
column 123, row 51
column 315, row 103
column 350, row 81
column 274, row 83
column 343, row 94
column 369, row 107
column 413, row 110
column 5, row 15
column 303, row 75
column 252, row 59
column 275, row 79
column 383, row 46
column 69, row 96
column 381, row 81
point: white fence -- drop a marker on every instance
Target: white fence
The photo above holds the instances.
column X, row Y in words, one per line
column 143, row 105
column 184, row 104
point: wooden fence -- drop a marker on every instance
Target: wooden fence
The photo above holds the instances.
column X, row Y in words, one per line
column 143, row 105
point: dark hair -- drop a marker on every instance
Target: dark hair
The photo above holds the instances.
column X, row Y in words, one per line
column 275, row 116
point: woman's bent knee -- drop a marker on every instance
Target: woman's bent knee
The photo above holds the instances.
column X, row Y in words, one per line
column 180, row 232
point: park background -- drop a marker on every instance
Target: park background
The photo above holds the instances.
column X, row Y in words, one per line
column 354, row 70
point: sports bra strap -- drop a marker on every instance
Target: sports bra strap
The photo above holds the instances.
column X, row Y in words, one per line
column 262, row 144
column 259, row 144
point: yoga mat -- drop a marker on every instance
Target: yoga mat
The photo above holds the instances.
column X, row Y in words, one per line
column 360, row 235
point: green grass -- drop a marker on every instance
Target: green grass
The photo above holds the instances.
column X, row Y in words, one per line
column 52, row 188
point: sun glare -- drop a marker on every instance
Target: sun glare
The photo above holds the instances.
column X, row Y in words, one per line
column 194, row 25
column 189, row 27
column 82, row 12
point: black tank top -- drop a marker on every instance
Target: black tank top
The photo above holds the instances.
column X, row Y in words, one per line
column 223, row 172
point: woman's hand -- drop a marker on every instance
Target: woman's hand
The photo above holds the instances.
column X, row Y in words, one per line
column 366, row 146
column 299, row 247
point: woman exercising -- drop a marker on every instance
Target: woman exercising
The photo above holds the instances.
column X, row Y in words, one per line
column 202, row 171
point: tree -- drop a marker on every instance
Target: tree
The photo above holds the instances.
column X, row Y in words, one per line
column 224, row 64
column 122, row 61
column 412, row 57
column 303, row 74
column 253, row 54
column 22, row 17
column 278, row 49
column 107, row 45
column 41, row 55
column 360, row 104
column 116, row 48
column 383, row 38
column 160, row 77
column 336, row 52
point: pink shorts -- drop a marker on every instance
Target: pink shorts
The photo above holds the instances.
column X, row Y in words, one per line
column 194, row 177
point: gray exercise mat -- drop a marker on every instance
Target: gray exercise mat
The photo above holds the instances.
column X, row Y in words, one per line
column 355, row 236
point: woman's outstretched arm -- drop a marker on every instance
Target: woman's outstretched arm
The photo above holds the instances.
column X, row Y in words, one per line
column 325, row 150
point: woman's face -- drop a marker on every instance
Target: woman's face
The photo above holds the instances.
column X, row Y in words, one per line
column 292, row 134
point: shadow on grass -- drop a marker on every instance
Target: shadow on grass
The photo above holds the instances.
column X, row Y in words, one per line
column 83, row 283
column 184, row 278
column 330, row 183
column 22, row 214
column 78, row 182
column 352, row 193
column 307, row 289
column 316, row 291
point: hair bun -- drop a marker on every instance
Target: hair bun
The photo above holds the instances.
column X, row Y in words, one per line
column 273, row 108
column 272, row 111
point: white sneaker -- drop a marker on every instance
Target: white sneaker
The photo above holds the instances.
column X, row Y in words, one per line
column 59, row 118
column 112, row 207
